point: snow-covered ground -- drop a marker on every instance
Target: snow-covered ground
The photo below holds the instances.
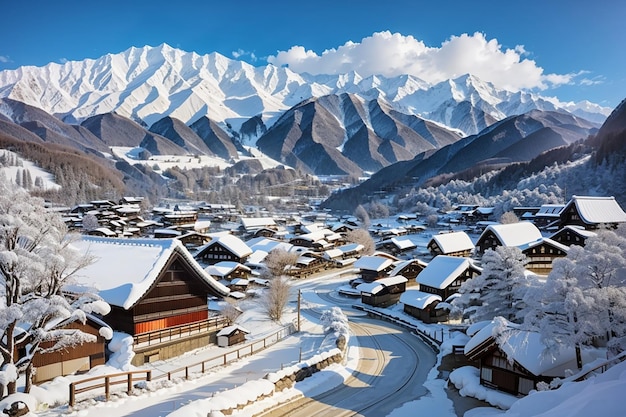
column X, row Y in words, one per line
column 11, row 172
column 163, row 162
column 599, row 395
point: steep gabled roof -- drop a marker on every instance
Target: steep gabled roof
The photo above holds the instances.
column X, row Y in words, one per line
column 124, row 270
column 376, row 286
column 597, row 210
column 547, row 241
column 521, row 346
column 231, row 242
column 453, row 242
column 418, row 299
column 514, row 234
column 443, row 270
column 373, row 263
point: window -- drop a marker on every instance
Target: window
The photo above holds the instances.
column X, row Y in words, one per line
column 525, row 385
column 486, row 374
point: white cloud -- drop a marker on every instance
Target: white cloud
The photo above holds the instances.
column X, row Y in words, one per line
column 5, row 59
column 394, row 54
column 241, row 54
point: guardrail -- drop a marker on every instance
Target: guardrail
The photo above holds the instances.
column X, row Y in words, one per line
column 106, row 381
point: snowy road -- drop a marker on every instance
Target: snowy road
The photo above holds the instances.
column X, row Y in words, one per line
column 392, row 368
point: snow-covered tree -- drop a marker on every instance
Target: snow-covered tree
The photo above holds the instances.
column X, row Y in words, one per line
column 90, row 222
column 500, row 288
column 361, row 214
column 276, row 297
column 584, row 298
column 508, row 218
column 362, row 237
column 277, row 261
column 335, row 321
column 37, row 296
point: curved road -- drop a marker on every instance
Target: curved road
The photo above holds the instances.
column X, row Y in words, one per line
column 393, row 366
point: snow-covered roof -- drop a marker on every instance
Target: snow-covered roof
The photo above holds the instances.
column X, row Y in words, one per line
column 267, row 244
column 525, row 348
column 376, row 286
column 545, row 240
column 453, row 242
column 351, row 247
column 579, row 230
column 373, row 263
column 106, row 231
column 514, row 234
column 231, row 242
column 550, row 210
column 596, row 210
column 418, row 299
column 400, row 265
column 443, row 270
column 221, row 269
column 333, row 253
column 250, row 223
column 403, row 244
column 124, row 269
column 228, row 330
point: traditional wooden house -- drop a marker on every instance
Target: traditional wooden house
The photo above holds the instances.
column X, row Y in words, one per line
column 153, row 286
column 541, row 253
column 80, row 358
column 396, row 246
column 451, row 244
column 443, row 276
column 382, row 292
column 308, row 263
column 231, row 335
column 409, row 269
column 253, row 226
column 512, row 234
column 515, row 363
column 313, row 240
column 592, row 212
column 423, row 306
column 228, row 270
column 193, row 239
column 548, row 216
column 372, row 268
column 180, row 217
column 572, row 235
column 224, row 247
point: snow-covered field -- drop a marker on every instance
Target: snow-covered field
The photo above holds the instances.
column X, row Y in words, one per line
column 164, row 162
column 11, row 172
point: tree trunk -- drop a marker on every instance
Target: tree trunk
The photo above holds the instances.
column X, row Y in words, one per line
column 12, row 387
column 579, row 359
column 29, row 377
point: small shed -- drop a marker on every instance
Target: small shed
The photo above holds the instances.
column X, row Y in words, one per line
column 382, row 292
column 231, row 335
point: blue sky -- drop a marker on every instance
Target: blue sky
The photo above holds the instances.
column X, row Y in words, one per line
column 574, row 50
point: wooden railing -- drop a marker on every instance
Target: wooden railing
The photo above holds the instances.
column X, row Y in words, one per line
column 160, row 336
column 106, row 381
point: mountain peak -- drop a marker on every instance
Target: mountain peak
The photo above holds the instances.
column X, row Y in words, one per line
column 150, row 82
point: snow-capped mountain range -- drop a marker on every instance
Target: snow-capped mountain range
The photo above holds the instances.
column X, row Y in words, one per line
column 147, row 84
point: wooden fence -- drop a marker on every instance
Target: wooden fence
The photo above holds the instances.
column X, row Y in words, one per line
column 106, row 381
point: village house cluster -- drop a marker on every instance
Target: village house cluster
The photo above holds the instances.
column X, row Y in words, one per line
column 159, row 274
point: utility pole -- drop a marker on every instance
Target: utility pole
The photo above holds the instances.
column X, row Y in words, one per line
column 299, row 297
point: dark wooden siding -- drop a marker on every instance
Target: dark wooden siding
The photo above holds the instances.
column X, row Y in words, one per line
column 177, row 297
